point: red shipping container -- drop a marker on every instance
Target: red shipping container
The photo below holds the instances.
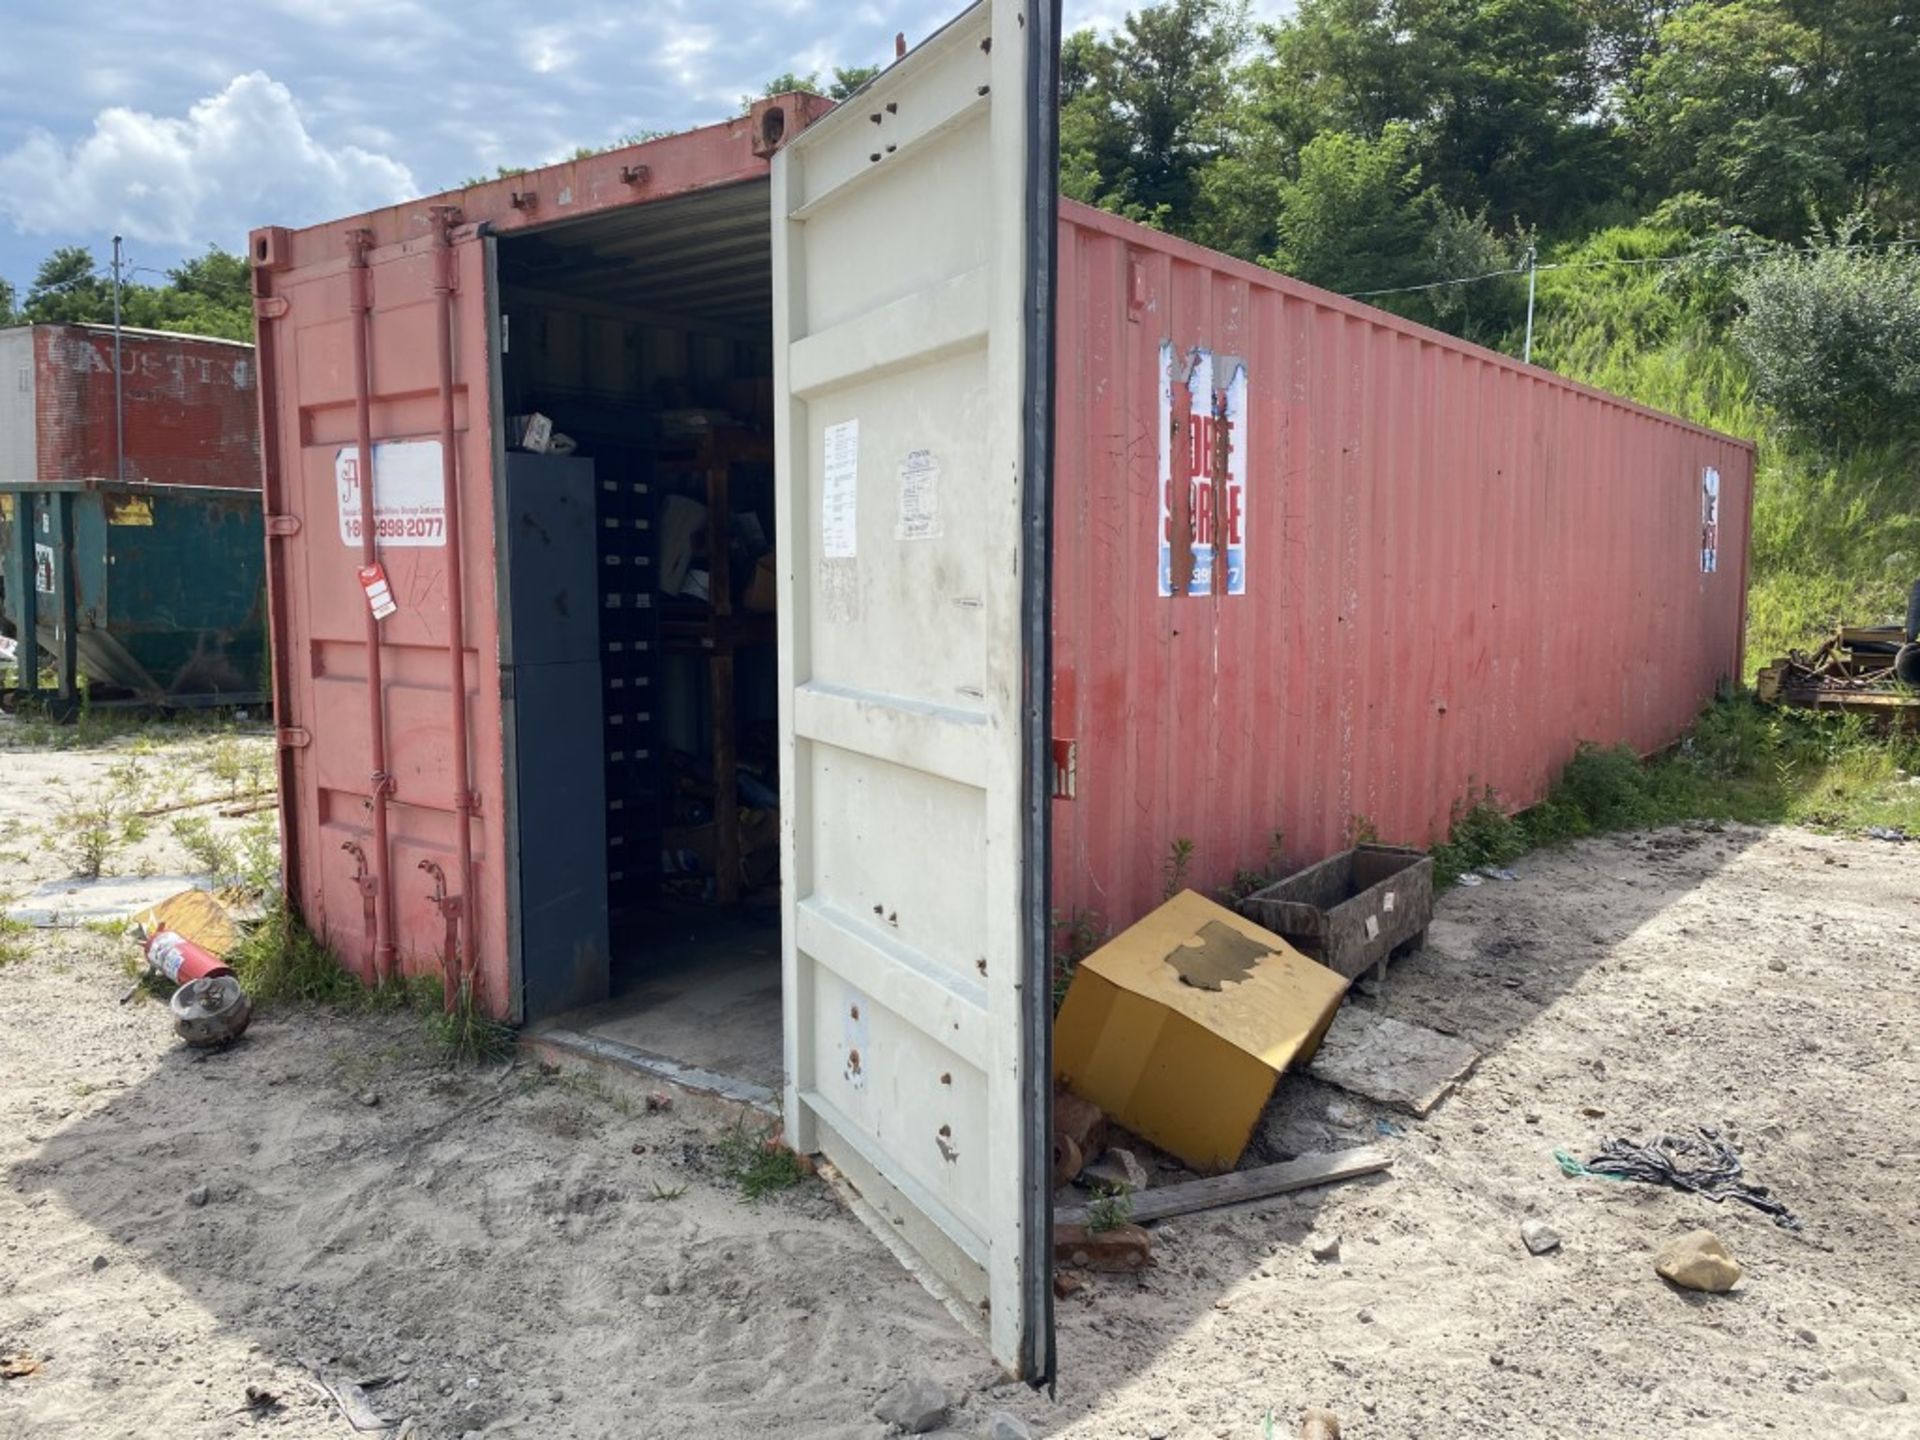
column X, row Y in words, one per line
column 1312, row 568
column 1456, row 568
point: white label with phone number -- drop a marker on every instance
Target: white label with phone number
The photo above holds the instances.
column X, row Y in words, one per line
column 408, row 502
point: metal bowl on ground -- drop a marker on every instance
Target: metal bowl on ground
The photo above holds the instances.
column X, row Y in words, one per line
column 211, row 1011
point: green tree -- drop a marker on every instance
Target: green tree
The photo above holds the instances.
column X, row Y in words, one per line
column 1729, row 106
column 1866, row 73
column 846, row 80
column 1357, row 218
column 209, row 294
column 1354, row 218
column 68, row 287
column 7, row 302
column 1503, row 101
column 1144, row 113
column 789, row 80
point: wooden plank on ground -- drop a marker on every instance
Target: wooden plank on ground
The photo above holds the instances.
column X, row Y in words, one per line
column 1243, row 1185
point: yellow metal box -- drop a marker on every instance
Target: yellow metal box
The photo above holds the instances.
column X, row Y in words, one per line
column 1179, row 1027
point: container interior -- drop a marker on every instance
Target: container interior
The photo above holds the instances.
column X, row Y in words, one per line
column 644, row 337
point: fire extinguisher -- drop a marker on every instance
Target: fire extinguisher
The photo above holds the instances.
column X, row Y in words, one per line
column 179, row 959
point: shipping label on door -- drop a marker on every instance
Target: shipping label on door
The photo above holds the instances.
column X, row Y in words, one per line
column 1709, row 521
column 919, row 497
column 409, row 504
column 1203, row 472
column 840, row 492
column 43, row 569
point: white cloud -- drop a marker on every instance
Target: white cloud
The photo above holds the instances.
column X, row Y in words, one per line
column 237, row 159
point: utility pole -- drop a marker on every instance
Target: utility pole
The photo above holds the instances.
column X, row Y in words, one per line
column 119, row 402
column 1533, row 269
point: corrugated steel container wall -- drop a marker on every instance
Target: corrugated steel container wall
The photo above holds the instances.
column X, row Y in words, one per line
column 188, row 402
column 1456, row 568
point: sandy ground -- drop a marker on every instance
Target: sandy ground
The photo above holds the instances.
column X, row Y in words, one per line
column 534, row 1254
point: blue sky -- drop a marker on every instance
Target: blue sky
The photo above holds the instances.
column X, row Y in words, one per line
column 182, row 125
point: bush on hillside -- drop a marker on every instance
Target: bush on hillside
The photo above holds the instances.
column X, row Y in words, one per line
column 1833, row 339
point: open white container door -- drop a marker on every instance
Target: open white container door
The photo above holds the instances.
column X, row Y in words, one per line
column 913, row 264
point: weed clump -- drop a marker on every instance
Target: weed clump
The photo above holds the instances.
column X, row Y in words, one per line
column 1740, row 762
column 279, row 959
column 468, row 1036
column 753, row 1159
column 13, row 933
column 1109, row 1209
column 91, row 826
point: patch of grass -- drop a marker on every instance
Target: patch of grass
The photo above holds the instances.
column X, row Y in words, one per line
column 590, row 1085
column 232, row 765
column 13, row 936
column 209, row 852
column 1109, row 1209
column 422, row 994
column 248, row 860
column 1741, row 762
column 665, row 1192
column 466, row 1036
column 90, row 826
column 755, row 1161
column 142, row 732
column 279, row 959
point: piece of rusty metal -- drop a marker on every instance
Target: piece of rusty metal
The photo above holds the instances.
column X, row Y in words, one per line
column 212, row 1010
column 1856, row 670
column 1125, row 1249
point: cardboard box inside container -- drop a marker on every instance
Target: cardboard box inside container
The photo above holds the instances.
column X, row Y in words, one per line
column 1179, row 1027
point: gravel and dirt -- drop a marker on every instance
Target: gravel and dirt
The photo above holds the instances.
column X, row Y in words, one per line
column 518, row 1252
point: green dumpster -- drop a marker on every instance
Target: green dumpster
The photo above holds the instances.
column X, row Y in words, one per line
column 155, row 594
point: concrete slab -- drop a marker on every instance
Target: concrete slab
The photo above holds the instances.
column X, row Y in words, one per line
column 698, row 1003
column 72, row 903
column 1390, row 1061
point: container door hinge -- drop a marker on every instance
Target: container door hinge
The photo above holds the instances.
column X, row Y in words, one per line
column 269, row 307
column 292, row 737
column 283, row 524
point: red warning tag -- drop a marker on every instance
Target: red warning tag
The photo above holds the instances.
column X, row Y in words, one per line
column 373, row 580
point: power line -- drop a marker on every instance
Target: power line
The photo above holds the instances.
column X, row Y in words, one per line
column 1646, row 260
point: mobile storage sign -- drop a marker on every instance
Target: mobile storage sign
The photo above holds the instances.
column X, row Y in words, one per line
column 409, row 504
column 1214, row 390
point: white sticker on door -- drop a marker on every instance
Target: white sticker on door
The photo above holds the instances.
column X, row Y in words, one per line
column 43, row 569
column 839, row 491
column 919, row 497
column 1709, row 521
column 409, row 506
